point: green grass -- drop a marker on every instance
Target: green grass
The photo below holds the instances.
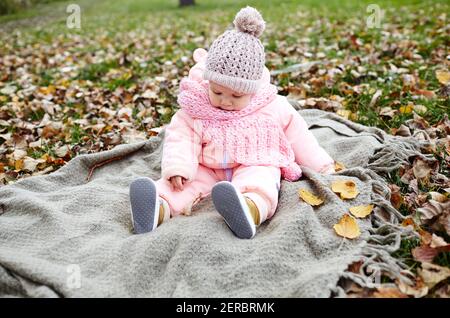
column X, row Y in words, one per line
column 404, row 253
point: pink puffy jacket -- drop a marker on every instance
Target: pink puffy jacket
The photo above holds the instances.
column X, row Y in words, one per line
column 185, row 147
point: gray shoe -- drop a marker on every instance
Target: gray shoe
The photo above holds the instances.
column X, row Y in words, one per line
column 144, row 205
column 231, row 204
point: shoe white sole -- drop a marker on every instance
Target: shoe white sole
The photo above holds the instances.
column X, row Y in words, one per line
column 231, row 204
column 144, row 205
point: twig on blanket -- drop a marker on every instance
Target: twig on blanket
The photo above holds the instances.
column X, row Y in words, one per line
column 104, row 162
column 99, row 164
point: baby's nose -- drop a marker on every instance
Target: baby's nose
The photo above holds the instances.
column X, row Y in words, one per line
column 226, row 102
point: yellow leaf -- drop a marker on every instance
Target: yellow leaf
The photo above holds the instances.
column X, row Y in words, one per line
column 406, row 109
column 347, row 227
column 338, row 166
column 18, row 164
column 47, row 90
column 361, row 211
column 346, row 188
column 443, row 77
column 344, row 113
column 309, row 198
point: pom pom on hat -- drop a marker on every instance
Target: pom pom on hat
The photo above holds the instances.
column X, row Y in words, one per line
column 249, row 20
column 200, row 54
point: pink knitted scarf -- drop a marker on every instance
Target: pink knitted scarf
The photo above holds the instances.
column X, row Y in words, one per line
column 246, row 136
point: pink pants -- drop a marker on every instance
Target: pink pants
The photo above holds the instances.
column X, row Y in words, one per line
column 264, row 181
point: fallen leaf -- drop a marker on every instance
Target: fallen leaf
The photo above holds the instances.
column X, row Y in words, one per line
column 443, row 291
column 430, row 209
column 396, row 196
column 309, row 198
column 443, row 77
column 62, row 151
column 424, row 253
column 30, row 164
column 375, row 98
column 437, row 241
column 361, row 211
column 355, row 267
column 338, row 166
column 417, row 291
column 347, row 227
column 421, row 169
column 388, row 112
column 18, row 164
column 421, row 109
column 433, row 274
column 389, row 292
column 346, row 188
column 344, row 113
column 401, row 131
column 426, row 93
column 406, row 109
column 19, row 154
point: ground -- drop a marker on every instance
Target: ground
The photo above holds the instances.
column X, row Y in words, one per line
column 68, row 91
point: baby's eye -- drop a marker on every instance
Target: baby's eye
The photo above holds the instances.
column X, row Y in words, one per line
column 217, row 93
column 237, row 96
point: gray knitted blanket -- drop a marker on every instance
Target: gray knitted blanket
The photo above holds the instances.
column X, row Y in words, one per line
column 64, row 236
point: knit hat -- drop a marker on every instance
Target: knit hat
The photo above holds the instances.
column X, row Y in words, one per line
column 236, row 58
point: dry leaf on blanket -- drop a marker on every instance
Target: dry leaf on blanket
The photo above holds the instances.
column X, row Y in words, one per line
column 347, row 227
column 361, row 211
column 346, row 188
column 338, row 166
column 309, row 198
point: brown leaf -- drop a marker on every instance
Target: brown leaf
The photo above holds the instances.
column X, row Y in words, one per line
column 422, row 169
column 443, row 291
column 355, row 267
column 424, row 253
column 426, row 93
column 396, row 196
column 417, row 291
column 432, row 209
column 49, row 131
column 401, row 131
column 389, row 292
column 433, row 274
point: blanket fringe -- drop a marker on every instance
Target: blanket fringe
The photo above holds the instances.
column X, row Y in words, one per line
column 387, row 233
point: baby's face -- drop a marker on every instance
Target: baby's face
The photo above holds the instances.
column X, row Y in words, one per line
column 224, row 98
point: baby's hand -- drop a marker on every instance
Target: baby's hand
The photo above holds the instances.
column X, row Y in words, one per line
column 177, row 182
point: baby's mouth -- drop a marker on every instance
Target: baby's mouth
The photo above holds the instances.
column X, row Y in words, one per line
column 225, row 108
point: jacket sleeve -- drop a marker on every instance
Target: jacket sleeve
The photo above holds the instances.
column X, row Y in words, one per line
column 306, row 148
column 182, row 147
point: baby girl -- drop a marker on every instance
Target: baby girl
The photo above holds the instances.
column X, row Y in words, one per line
column 234, row 138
